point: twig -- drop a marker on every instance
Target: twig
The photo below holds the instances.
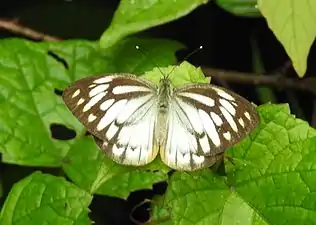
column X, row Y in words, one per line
column 15, row 27
column 150, row 221
column 307, row 84
column 229, row 76
column 136, row 207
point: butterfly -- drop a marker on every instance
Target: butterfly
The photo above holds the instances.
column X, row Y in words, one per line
column 133, row 120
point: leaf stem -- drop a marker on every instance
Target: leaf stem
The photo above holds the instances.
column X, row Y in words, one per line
column 307, row 84
column 274, row 80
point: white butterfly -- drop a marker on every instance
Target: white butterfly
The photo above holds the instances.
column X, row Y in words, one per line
column 132, row 120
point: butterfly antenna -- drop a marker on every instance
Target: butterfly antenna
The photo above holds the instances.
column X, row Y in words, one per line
column 192, row 53
column 188, row 56
column 155, row 64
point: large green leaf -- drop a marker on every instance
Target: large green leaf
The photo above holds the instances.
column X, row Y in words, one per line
column 137, row 15
column 44, row 199
column 29, row 76
column 271, row 182
column 293, row 23
column 277, row 177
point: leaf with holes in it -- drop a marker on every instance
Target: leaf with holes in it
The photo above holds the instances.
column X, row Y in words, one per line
column 272, row 180
column 293, row 23
column 29, row 74
column 132, row 16
column 45, row 199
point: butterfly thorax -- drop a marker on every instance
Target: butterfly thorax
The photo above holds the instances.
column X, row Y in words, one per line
column 165, row 92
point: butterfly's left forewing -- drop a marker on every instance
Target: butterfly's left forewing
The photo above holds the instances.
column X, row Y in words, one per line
column 119, row 111
column 204, row 121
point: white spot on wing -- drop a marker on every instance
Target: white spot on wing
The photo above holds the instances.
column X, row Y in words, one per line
column 93, row 101
column 227, row 135
column 92, row 85
column 247, row 115
column 110, row 133
column 132, row 155
column 103, row 80
column 81, row 100
column 228, row 106
column 117, row 151
column 223, row 94
column 241, row 122
column 98, row 89
column 105, row 144
column 199, row 98
column 229, row 118
column 111, row 114
column 210, row 127
column 76, row 93
column 128, row 88
column 183, row 159
column 205, row 145
column 106, row 104
column 217, row 120
column 198, row 159
column 91, row 118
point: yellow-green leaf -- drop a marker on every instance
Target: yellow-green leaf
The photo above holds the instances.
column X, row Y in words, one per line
column 293, row 23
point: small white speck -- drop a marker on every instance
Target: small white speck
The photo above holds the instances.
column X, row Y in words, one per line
column 81, row 100
column 77, row 92
column 241, row 122
column 227, row 135
column 91, row 118
column 247, row 115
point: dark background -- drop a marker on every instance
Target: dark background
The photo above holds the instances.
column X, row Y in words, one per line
column 227, row 45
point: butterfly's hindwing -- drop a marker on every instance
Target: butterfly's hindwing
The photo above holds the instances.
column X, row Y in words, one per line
column 204, row 121
column 119, row 110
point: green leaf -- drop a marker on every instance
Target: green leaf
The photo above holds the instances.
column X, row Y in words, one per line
column 185, row 73
column 101, row 175
column 274, row 184
column 246, row 8
column 29, row 106
column 133, row 15
column 293, row 23
column 45, row 199
column 280, row 160
column 203, row 198
column 29, row 74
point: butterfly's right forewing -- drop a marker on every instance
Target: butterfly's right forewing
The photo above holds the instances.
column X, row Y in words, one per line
column 119, row 111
